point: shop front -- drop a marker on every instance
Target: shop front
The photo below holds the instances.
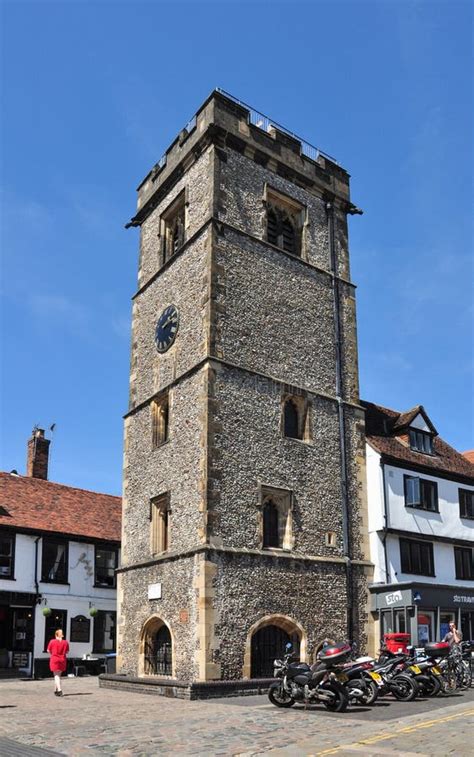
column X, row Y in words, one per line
column 17, row 619
column 423, row 610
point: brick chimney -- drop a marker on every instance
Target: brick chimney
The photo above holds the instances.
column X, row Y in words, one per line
column 38, row 454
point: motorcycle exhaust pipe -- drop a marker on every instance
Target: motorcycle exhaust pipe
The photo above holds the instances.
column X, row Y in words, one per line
column 326, row 697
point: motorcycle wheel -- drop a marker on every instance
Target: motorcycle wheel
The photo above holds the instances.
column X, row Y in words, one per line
column 341, row 699
column 405, row 689
column 432, row 686
column 372, row 693
column 279, row 697
column 368, row 687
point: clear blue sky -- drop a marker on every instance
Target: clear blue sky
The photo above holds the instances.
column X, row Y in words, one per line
column 92, row 95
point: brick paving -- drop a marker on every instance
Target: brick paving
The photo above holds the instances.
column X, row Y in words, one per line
column 93, row 721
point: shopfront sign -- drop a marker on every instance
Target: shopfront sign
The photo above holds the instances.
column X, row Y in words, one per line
column 393, row 598
column 462, row 599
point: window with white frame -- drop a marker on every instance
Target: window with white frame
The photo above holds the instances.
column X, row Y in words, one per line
column 421, row 493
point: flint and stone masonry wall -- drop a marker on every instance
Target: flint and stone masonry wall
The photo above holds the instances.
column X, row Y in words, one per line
column 256, row 323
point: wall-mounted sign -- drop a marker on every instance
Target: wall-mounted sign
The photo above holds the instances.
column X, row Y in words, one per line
column 393, row 598
column 154, row 591
column 80, row 629
column 462, row 599
column 20, row 659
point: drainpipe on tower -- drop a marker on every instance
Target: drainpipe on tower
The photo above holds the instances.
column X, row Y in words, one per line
column 340, row 413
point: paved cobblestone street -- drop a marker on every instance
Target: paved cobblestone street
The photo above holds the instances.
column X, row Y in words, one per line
column 89, row 720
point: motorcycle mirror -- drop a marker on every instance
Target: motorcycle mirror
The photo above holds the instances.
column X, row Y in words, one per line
column 288, row 647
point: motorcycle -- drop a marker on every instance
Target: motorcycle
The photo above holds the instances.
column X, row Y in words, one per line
column 393, row 680
column 300, row 682
column 419, row 669
column 361, row 682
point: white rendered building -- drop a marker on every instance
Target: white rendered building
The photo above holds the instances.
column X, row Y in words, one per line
column 421, row 526
column 59, row 549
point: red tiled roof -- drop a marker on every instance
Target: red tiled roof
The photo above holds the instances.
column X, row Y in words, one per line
column 381, row 426
column 470, row 455
column 39, row 505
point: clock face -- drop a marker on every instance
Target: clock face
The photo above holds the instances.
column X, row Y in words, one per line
column 166, row 328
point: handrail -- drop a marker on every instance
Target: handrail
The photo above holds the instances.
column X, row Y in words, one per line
column 262, row 122
column 265, row 123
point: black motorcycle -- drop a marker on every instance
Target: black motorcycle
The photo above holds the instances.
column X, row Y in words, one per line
column 299, row 682
column 394, row 681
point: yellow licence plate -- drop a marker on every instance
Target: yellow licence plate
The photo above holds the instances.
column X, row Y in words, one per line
column 415, row 668
column 375, row 676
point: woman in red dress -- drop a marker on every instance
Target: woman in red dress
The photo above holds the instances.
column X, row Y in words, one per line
column 58, row 649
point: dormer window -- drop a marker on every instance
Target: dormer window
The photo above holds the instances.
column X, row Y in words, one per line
column 421, row 441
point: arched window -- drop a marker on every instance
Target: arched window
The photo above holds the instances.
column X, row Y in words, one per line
column 271, row 536
column 158, row 652
column 291, row 425
column 284, row 222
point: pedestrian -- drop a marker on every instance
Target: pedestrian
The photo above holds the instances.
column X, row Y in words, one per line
column 58, row 649
column 453, row 636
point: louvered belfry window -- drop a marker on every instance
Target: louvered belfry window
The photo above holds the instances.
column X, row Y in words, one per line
column 284, row 222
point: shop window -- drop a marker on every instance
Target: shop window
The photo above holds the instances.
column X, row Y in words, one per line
column 296, row 422
column 284, row 222
column 421, row 441
column 54, row 563
column 159, row 419
column 105, row 566
column 445, row 618
column 7, row 556
column 159, row 520
column 464, row 562
column 466, row 503
column 416, row 557
column 426, row 627
column 104, row 631
column 173, row 227
column 55, row 620
column 400, row 621
column 276, row 518
column 421, row 493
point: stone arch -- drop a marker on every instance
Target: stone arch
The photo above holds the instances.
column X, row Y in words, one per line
column 153, row 626
column 280, row 621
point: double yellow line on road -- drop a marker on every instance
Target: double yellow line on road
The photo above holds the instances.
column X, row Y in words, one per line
column 394, row 734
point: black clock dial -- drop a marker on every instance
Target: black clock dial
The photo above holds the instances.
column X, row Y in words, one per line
column 166, row 328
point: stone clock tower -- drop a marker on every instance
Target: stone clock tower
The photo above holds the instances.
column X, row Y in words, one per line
column 244, row 510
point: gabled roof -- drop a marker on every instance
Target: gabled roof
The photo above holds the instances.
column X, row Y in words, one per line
column 383, row 427
column 38, row 505
column 405, row 419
